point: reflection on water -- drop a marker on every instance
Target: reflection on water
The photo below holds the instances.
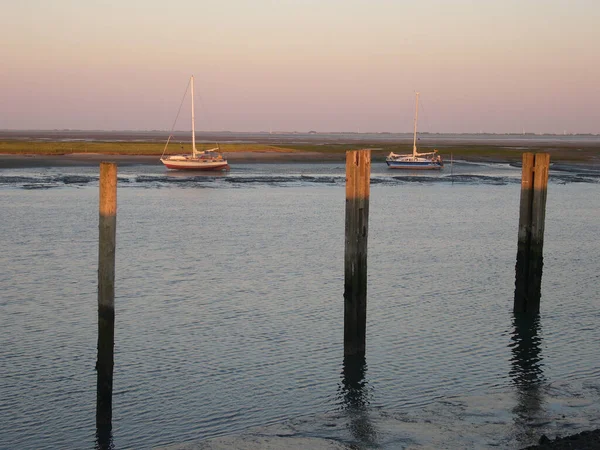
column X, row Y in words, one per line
column 526, row 361
column 527, row 374
column 104, row 369
column 104, row 439
column 355, row 396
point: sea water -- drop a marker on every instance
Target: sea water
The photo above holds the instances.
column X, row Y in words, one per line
column 229, row 308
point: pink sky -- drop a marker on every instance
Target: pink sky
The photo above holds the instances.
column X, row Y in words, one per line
column 327, row 65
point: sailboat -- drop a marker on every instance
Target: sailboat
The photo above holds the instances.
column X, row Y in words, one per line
column 211, row 159
column 416, row 160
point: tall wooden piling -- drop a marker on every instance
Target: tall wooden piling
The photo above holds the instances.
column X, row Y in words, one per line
column 532, row 214
column 358, row 174
column 106, row 293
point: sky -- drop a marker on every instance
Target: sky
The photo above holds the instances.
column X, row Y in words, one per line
column 508, row 66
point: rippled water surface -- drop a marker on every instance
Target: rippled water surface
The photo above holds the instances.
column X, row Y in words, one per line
column 229, row 304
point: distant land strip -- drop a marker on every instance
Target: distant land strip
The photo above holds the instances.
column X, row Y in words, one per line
column 489, row 148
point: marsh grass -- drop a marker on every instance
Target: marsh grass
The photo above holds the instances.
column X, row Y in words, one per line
column 124, row 148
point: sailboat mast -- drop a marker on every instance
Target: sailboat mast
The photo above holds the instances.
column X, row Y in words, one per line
column 193, row 121
column 416, row 119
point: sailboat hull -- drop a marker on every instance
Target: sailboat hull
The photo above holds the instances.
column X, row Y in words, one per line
column 194, row 164
column 414, row 165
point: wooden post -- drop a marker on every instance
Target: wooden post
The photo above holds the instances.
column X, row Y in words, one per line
column 532, row 213
column 522, row 265
column 358, row 174
column 106, row 294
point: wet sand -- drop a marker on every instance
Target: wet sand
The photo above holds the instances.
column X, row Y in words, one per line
column 463, row 422
column 587, row 440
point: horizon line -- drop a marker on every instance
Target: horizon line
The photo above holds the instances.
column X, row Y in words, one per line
column 296, row 132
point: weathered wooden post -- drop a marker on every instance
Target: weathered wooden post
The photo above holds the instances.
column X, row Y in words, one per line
column 522, row 265
column 532, row 214
column 358, row 174
column 106, row 294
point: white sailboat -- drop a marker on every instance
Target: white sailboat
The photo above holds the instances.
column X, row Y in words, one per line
column 416, row 160
column 211, row 159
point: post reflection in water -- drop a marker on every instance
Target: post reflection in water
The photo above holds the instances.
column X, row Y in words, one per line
column 104, row 380
column 104, row 440
column 527, row 375
column 355, row 396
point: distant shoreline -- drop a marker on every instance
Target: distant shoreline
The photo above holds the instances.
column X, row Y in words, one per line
column 285, row 136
